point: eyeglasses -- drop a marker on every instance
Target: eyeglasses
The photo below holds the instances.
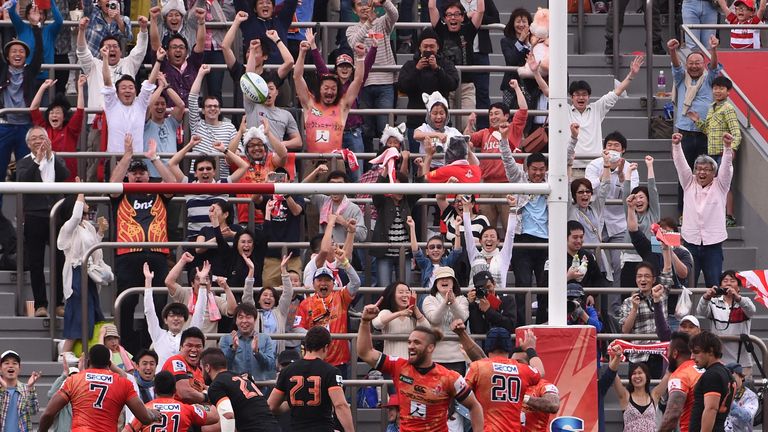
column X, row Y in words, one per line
column 434, row 246
column 212, row 106
column 704, row 169
column 205, row 168
column 453, row 15
column 175, row 47
column 584, row 192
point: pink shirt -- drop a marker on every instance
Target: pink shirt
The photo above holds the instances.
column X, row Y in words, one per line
column 703, row 207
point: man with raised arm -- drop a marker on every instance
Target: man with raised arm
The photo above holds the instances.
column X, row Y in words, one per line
column 327, row 108
column 97, row 396
column 139, row 217
column 425, row 389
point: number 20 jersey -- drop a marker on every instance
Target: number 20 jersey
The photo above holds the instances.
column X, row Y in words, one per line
column 499, row 384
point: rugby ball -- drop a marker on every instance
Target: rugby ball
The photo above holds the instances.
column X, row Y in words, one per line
column 254, row 87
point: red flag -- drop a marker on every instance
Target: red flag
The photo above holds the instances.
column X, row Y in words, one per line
column 756, row 281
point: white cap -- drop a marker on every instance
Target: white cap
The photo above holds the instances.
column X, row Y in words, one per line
column 692, row 319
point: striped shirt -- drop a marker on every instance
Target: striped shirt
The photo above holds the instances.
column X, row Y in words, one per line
column 397, row 233
column 358, row 33
column 222, row 132
column 744, row 38
column 197, row 208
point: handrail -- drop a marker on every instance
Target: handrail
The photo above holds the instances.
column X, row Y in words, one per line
column 650, row 100
column 84, row 272
column 304, row 24
column 752, row 109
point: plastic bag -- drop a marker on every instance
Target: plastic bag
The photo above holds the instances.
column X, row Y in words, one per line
column 684, row 304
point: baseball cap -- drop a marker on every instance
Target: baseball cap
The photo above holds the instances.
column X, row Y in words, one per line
column 692, row 319
column 287, row 357
column 735, row 368
column 344, row 59
column 10, row 353
column 13, row 42
column 110, row 330
column 748, row 3
column 323, row 271
column 137, row 165
column 481, row 278
column 393, row 401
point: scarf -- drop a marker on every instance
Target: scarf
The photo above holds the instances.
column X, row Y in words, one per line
column 145, row 387
column 279, row 198
column 213, row 310
column 127, row 363
column 388, row 159
column 328, row 209
column 659, row 348
column 349, row 157
column 691, row 90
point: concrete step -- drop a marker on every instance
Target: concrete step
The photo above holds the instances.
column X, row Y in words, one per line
column 740, row 258
column 632, row 37
column 631, row 127
column 24, row 327
column 7, row 305
column 37, row 348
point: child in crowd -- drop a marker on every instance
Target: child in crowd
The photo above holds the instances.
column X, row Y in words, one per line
column 744, row 15
column 109, row 337
column 435, row 256
column 721, row 119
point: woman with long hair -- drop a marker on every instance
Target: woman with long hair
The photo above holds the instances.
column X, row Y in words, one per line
column 638, row 402
column 398, row 314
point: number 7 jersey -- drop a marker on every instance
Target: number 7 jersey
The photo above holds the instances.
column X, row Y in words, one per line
column 97, row 397
column 499, row 384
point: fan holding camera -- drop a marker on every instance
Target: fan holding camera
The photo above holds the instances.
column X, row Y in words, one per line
column 581, row 309
column 637, row 314
column 488, row 309
column 731, row 315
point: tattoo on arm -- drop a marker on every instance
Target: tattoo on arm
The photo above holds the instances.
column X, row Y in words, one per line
column 674, row 410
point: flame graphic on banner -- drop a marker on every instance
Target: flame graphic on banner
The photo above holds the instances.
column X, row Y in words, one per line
column 578, row 367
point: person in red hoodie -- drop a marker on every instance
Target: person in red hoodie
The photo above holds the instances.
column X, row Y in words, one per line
column 64, row 134
column 487, row 140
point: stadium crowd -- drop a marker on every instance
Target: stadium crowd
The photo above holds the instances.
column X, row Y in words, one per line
column 166, row 371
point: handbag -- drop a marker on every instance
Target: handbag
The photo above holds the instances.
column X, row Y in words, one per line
column 760, row 391
column 100, row 272
column 536, row 140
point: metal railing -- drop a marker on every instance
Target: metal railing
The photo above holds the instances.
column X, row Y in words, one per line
column 751, row 109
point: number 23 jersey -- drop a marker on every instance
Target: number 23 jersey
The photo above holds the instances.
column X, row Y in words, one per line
column 306, row 384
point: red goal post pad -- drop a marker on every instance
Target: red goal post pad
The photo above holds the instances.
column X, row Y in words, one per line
column 569, row 355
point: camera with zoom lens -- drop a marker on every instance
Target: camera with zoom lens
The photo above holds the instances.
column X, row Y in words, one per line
column 720, row 291
column 112, row 5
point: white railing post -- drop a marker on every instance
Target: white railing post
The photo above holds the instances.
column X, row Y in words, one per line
column 559, row 134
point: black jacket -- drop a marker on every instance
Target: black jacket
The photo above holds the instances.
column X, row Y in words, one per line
column 414, row 82
column 480, row 322
column 385, row 206
column 30, row 71
column 27, row 170
column 491, row 16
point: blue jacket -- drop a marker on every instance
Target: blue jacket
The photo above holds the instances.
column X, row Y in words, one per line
column 50, row 33
column 260, row 365
column 426, row 266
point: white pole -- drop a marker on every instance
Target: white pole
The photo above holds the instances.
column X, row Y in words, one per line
column 281, row 188
column 558, row 178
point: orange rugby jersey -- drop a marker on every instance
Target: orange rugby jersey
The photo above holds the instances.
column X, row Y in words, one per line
column 97, row 397
column 499, row 384
column 538, row 421
column 684, row 379
column 424, row 397
column 331, row 313
column 177, row 416
column 178, row 367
